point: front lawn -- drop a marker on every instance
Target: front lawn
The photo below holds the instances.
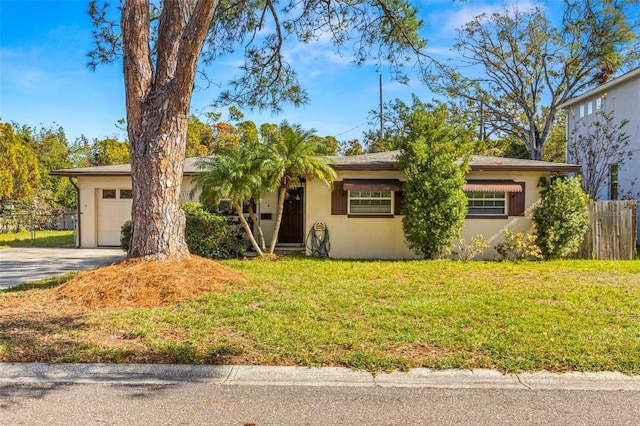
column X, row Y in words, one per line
column 42, row 239
column 374, row 315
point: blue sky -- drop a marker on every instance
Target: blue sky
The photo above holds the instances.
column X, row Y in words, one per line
column 44, row 78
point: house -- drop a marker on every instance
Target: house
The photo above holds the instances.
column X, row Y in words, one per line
column 361, row 213
column 620, row 97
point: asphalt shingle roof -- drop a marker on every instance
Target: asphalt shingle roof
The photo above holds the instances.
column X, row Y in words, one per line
column 375, row 161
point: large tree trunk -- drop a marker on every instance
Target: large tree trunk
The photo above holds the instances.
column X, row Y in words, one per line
column 158, row 102
column 157, row 159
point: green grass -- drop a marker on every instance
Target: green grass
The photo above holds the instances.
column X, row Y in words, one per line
column 373, row 315
column 559, row 316
column 41, row 284
column 42, row 239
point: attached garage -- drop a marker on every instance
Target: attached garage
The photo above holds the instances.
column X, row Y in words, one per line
column 113, row 210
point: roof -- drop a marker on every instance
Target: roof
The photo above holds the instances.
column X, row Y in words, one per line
column 387, row 161
column 602, row 88
column 372, row 162
column 119, row 170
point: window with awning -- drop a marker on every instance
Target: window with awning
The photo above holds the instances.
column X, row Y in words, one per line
column 367, row 197
column 497, row 198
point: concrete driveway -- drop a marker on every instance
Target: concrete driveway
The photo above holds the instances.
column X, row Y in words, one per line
column 19, row 265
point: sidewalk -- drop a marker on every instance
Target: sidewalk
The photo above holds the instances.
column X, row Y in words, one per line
column 302, row 376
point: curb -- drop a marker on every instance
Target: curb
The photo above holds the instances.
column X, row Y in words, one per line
column 17, row 373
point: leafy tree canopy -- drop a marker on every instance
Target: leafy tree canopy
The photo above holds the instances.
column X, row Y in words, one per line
column 386, row 32
column 109, row 151
column 520, row 66
column 19, row 170
column 433, row 159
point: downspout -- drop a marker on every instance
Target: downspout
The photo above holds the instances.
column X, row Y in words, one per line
column 78, row 222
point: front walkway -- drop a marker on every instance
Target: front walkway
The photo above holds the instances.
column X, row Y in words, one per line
column 19, row 265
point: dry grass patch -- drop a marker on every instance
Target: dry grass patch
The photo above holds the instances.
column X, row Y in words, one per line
column 63, row 323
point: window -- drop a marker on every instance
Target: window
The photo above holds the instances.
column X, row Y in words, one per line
column 370, row 202
column 581, row 111
column 598, row 104
column 109, row 194
column 613, row 181
column 126, row 194
column 589, row 108
column 487, row 203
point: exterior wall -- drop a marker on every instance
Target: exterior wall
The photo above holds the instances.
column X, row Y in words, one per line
column 623, row 99
column 268, row 205
column 383, row 238
column 493, row 229
column 350, row 237
column 362, row 238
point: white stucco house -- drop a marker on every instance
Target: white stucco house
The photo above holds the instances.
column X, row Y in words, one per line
column 362, row 213
column 621, row 97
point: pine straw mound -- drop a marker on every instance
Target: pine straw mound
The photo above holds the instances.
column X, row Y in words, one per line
column 134, row 283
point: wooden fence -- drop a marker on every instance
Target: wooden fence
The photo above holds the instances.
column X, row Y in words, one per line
column 612, row 231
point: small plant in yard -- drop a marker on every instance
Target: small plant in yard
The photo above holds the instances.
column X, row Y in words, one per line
column 467, row 251
column 518, row 246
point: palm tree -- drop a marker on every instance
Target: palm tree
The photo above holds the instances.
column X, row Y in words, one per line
column 293, row 157
column 237, row 173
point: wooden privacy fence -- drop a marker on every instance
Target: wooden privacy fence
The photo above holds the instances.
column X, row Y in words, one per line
column 612, row 231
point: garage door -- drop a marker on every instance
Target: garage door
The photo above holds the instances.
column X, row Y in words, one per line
column 114, row 209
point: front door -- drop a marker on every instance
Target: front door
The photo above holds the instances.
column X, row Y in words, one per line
column 291, row 225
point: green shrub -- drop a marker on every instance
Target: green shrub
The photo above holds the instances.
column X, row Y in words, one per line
column 561, row 218
column 433, row 206
column 210, row 235
column 207, row 234
column 125, row 235
column 518, row 246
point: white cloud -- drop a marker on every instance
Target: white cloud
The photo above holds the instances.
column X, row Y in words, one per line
column 456, row 17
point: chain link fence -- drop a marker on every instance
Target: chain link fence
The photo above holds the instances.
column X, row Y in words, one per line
column 15, row 223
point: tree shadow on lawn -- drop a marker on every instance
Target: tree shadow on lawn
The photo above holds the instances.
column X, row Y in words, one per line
column 39, row 337
column 83, row 338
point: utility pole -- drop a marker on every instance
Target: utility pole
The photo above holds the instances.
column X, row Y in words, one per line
column 381, row 112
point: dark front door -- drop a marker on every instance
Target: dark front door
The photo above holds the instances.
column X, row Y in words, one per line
column 291, row 226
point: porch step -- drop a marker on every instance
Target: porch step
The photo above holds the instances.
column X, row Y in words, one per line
column 283, row 250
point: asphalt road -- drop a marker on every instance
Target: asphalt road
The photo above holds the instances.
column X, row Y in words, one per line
column 19, row 265
column 87, row 394
column 215, row 404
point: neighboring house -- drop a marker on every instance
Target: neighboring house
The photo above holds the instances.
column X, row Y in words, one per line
column 362, row 213
column 620, row 96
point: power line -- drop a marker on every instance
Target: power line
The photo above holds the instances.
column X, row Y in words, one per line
column 354, row 128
